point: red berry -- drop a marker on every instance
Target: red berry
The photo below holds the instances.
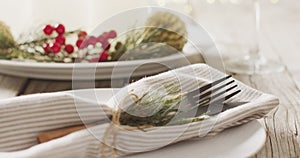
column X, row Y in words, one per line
column 92, row 40
column 55, row 47
column 60, row 39
column 47, row 48
column 82, row 35
column 101, row 39
column 79, row 43
column 104, row 56
column 82, row 43
column 105, row 35
column 112, row 34
column 60, row 29
column 69, row 48
column 48, row 29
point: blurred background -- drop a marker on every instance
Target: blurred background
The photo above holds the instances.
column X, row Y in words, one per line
column 23, row 14
column 230, row 22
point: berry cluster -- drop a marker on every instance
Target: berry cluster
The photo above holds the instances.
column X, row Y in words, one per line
column 95, row 48
column 84, row 40
column 59, row 42
column 100, row 43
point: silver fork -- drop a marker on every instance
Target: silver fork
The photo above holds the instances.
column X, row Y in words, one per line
column 209, row 99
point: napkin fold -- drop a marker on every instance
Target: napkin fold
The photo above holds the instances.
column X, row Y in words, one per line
column 23, row 118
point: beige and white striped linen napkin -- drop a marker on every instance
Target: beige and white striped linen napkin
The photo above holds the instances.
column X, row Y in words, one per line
column 23, row 118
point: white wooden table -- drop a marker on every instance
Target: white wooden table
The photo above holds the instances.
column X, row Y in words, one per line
column 281, row 41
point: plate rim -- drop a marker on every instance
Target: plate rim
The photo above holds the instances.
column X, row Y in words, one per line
column 16, row 63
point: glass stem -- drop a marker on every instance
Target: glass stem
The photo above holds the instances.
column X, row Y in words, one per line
column 256, row 50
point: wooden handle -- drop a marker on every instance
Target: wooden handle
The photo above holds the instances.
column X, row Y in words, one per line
column 45, row 137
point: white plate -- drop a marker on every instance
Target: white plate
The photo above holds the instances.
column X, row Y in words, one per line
column 242, row 141
column 199, row 44
column 237, row 142
column 61, row 71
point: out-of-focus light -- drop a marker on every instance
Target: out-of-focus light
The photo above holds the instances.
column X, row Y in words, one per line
column 180, row 1
column 234, row 1
column 161, row 3
column 223, row 1
column 274, row 1
column 188, row 9
column 210, row 1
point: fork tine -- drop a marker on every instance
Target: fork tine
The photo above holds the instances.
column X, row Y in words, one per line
column 217, row 106
column 212, row 91
column 202, row 98
column 206, row 87
column 227, row 97
column 209, row 101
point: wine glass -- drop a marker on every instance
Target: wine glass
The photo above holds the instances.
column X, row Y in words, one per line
column 254, row 62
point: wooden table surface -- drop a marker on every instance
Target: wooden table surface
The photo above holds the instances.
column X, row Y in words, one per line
column 281, row 41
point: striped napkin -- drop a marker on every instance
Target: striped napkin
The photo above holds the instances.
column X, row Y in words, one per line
column 23, row 118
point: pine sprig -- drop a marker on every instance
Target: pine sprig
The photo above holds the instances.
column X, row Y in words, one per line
column 138, row 46
column 154, row 109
